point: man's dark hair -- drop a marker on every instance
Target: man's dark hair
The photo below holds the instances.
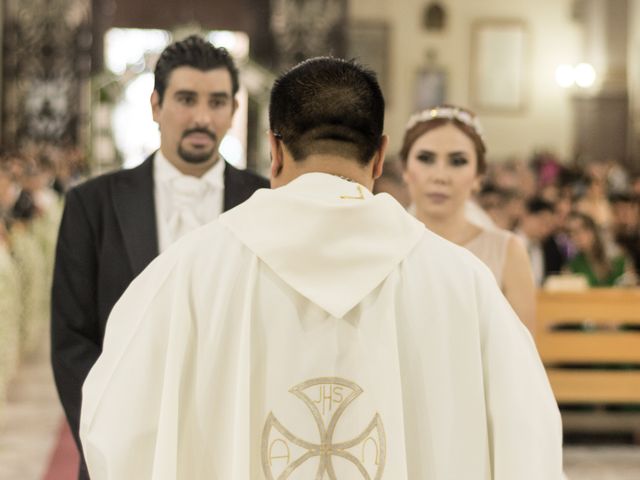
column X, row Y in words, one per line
column 492, row 189
column 195, row 52
column 537, row 205
column 621, row 197
column 328, row 105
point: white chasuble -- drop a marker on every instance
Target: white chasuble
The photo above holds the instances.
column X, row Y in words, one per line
column 318, row 332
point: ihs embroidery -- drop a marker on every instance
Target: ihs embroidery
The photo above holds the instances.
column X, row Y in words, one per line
column 326, row 398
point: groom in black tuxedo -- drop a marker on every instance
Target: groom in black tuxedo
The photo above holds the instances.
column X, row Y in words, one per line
column 114, row 225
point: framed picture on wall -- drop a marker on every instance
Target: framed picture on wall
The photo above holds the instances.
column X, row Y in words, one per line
column 499, row 65
column 430, row 88
column 368, row 43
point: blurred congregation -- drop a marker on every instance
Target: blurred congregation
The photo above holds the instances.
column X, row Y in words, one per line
column 32, row 185
column 562, row 173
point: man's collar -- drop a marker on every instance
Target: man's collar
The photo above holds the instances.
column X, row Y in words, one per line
column 164, row 171
column 326, row 186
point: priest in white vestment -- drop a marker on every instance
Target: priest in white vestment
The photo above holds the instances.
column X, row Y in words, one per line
column 318, row 331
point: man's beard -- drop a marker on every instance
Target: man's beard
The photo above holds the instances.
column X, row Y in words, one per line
column 197, row 157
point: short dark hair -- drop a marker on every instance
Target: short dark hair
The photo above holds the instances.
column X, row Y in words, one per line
column 328, row 105
column 537, row 205
column 621, row 197
column 195, row 52
column 589, row 223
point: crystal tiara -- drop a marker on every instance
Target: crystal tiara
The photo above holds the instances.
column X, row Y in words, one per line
column 447, row 112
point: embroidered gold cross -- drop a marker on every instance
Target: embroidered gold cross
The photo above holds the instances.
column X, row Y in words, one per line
column 366, row 452
column 359, row 197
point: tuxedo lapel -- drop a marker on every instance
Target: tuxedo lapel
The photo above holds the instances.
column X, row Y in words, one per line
column 239, row 185
column 134, row 206
column 232, row 182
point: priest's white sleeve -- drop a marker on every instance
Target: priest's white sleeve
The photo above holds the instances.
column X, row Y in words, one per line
column 525, row 428
column 135, row 418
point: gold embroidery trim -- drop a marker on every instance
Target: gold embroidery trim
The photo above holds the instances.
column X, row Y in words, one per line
column 326, row 449
column 359, row 197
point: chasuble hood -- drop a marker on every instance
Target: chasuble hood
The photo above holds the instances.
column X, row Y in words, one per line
column 328, row 238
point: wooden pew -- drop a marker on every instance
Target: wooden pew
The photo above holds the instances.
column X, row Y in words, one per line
column 592, row 364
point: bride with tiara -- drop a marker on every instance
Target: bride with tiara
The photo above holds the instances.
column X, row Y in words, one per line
column 444, row 156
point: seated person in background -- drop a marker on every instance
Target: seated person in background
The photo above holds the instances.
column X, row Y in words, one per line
column 9, row 192
column 493, row 200
column 594, row 202
column 625, row 225
column 536, row 228
column 391, row 182
column 4, row 234
column 505, row 207
column 635, row 186
column 601, row 265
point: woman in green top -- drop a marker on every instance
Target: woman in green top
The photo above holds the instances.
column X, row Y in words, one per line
column 592, row 260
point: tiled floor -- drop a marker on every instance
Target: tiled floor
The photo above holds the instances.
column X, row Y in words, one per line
column 29, row 421
column 610, row 463
column 31, row 418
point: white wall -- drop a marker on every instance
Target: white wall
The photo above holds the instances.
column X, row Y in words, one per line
column 554, row 39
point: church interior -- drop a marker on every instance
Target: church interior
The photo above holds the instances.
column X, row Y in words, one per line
column 555, row 85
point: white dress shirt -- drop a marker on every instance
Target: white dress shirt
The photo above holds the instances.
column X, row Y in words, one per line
column 184, row 202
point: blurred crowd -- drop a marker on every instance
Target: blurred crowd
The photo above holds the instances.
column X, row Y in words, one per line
column 32, row 185
column 583, row 220
column 33, row 178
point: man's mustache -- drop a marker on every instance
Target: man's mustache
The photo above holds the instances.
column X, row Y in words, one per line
column 211, row 135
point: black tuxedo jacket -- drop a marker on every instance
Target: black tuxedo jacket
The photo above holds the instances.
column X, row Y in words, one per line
column 554, row 259
column 107, row 236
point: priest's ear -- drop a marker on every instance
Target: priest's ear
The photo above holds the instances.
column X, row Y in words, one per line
column 277, row 154
column 378, row 158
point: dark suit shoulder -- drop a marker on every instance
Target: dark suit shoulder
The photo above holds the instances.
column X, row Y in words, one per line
column 94, row 183
column 100, row 184
column 239, row 185
column 249, row 177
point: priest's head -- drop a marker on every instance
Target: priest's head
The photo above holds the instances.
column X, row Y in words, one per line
column 193, row 102
column 327, row 115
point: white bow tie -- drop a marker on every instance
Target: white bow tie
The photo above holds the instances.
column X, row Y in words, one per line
column 187, row 189
column 187, row 194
